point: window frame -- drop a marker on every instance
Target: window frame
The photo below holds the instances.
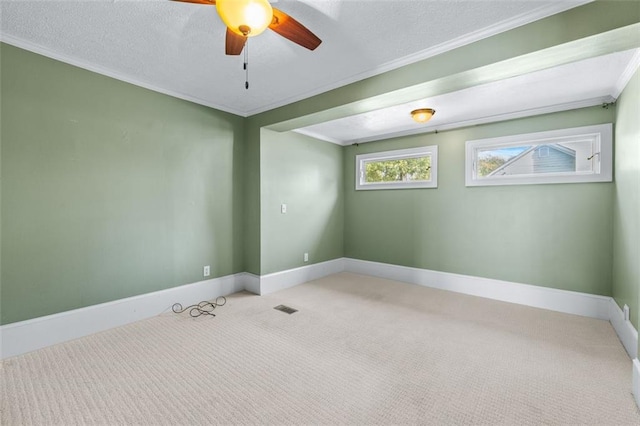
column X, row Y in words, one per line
column 601, row 134
column 398, row 154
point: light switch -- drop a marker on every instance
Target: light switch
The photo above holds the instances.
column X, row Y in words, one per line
column 283, row 208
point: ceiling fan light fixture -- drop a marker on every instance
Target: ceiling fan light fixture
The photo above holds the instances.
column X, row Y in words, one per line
column 422, row 115
column 248, row 18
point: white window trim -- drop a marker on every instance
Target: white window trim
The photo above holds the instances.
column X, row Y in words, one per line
column 395, row 155
column 602, row 133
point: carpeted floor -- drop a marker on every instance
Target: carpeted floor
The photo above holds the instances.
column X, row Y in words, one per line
column 361, row 350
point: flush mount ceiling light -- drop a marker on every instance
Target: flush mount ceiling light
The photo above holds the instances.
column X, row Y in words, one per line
column 422, row 115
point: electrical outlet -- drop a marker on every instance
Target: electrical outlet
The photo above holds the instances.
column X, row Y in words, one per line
column 306, row 257
column 625, row 309
column 207, row 271
column 283, row 208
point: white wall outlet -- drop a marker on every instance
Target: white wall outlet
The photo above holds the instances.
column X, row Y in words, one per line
column 283, row 208
column 207, row 271
column 625, row 309
column 306, row 257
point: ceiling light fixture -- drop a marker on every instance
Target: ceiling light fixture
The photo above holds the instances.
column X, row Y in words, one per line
column 422, row 115
column 247, row 18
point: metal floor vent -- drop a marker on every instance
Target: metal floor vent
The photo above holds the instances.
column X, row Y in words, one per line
column 285, row 309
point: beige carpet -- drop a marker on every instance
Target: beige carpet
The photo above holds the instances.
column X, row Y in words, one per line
column 360, row 350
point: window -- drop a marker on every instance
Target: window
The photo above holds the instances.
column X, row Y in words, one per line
column 404, row 168
column 580, row 154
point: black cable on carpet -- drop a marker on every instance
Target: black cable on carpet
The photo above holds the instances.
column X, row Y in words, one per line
column 202, row 308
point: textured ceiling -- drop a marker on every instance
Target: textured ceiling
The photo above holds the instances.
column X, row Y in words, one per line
column 575, row 85
column 178, row 48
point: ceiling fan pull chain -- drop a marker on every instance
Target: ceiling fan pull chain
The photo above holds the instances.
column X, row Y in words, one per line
column 246, row 64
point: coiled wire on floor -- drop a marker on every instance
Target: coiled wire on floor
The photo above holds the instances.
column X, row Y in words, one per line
column 203, row 308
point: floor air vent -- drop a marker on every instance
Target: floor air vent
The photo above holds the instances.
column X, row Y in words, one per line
column 285, row 309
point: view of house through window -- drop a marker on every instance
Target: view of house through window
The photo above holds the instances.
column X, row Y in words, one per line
column 559, row 157
column 404, row 168
column 581, row 154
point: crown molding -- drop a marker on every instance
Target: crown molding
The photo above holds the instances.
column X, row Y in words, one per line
column 80, row 63
column 626, row 75
column 483, row 120
column 319, row 136
column 515, row 22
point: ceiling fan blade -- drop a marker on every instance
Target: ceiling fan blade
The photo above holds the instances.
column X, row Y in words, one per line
column 293, row 30
column 234, row 43
column 209, row 2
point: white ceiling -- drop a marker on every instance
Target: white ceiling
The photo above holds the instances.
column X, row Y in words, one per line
column 178, row 48
column 579, row 84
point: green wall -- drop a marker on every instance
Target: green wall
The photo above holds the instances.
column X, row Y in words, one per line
column 593, row 29
column 251, row 197
column 110, row 190
column 626, row 209
column 548, row 235
column 306, row 175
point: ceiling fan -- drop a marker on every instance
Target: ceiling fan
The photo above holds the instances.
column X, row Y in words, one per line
column 249, row 18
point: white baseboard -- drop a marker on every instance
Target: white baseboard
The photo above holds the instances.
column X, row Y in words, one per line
column 26, row 336
column 569, row 302
column 292, row 277
column 251, row 283
column 635, row 381
column 625, row 330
